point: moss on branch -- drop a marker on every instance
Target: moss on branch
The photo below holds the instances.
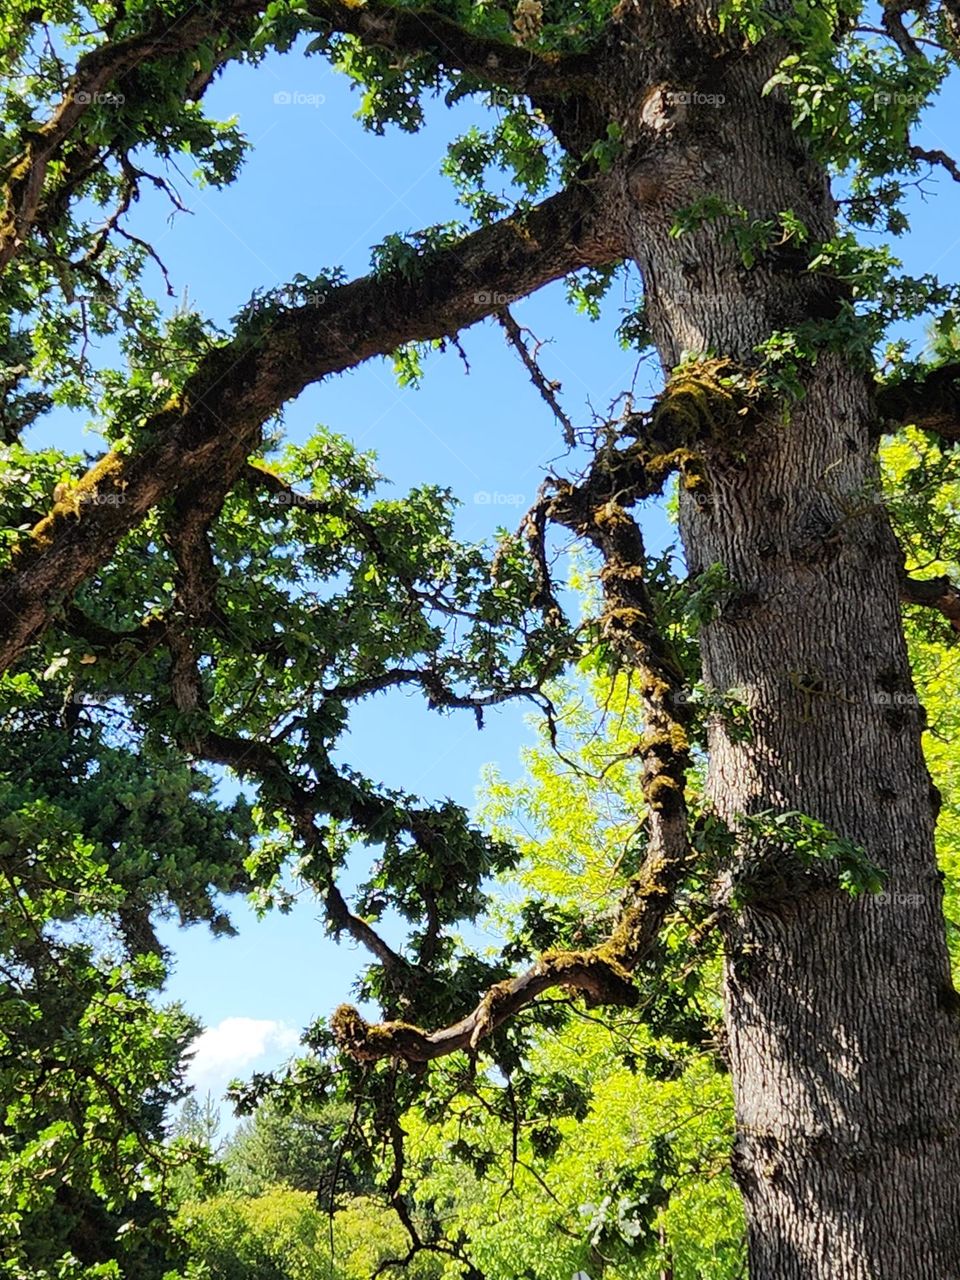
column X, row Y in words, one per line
column 598, row 975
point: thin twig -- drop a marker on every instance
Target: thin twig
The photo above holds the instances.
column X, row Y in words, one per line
column 547, row 389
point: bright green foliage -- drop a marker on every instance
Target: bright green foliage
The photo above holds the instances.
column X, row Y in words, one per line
column 282, row 1234
column 924, row 484
column 602, row 1136
column 618, row 1190
column 586, row 1154
column 273, row 1237
column 936, row 673
column 519, row 145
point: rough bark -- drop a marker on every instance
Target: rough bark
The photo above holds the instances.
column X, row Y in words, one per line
column 842, row 1020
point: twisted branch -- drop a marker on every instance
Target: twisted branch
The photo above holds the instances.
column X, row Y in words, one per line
column 596, row 511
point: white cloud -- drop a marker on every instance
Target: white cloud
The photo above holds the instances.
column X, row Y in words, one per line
column 223, row 1051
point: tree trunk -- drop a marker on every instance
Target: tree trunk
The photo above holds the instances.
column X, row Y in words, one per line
column 841, row 1016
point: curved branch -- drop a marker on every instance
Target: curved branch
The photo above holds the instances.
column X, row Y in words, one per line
column 141, row 639
column 630, row 626
column 934, row 593
column 544, row 78
column 593, row 974
column 931, row 402
column 424, row 31
column 892, row 19
column 205, row 435
column 937, row 157
column 259, row 763
column 594, row 511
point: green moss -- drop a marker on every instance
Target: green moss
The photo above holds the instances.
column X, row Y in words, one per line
column 626, row 618
column 598, row 973
column 665, row 743
column 697, row 401
column 76, row 496
column 347, row 1024
column 108, row 468
column 706, row 400
column 649, row 884
column 693, row 473
column 655, row 688
column 368, row 1042
column 664, row 794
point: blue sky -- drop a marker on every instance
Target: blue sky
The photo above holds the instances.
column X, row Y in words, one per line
column 318, row 191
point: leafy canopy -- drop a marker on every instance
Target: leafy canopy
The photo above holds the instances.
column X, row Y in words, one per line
column 238, row 596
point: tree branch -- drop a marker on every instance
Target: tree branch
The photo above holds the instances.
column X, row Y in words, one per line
column 629, row 625
column 937, row 157
column 594, row 511
column 893, row 24
column 935, row 593
column 544, row 78
column 931, row 402
column 424, row 31
column 205, row 435
column 547, row 388
column 23, row 178
column 591, row 973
